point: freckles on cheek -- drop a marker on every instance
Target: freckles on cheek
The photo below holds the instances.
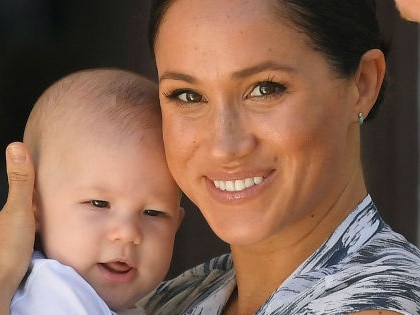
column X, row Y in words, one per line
column 182, row 137
column 295, row 137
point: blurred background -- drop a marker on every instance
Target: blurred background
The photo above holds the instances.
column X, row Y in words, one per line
column 43, row 40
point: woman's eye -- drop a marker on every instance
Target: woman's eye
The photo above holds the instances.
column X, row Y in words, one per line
column 152, row 213
column 267, row 88
column 187, row 96
column 190, row 97
column 100, row 203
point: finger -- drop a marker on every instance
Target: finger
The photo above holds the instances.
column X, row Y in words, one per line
column 17, row 224
column 20, row 173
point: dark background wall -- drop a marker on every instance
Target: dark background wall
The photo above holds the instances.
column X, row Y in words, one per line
column 391, row 142
column 44, row 40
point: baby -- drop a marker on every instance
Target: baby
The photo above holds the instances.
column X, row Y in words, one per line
column 106, row 206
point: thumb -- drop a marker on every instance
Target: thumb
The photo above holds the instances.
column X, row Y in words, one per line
column 17, row 223
column 20, row 172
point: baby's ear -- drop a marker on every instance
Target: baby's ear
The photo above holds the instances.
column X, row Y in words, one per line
column 181, row 215
column 36, row 210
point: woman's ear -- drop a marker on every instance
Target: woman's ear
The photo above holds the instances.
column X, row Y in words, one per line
column 368, row 79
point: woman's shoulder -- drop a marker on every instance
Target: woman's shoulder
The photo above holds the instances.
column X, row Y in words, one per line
column 388, row 248
column 383, row 274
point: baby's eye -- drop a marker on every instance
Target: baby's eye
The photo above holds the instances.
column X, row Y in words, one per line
column 152, row 213
column 267, row 88
column 100, row 203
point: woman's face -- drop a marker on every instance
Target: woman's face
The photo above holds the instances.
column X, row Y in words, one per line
column 258, row 131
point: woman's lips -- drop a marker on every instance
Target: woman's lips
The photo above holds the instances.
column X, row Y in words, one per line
column 236, row 189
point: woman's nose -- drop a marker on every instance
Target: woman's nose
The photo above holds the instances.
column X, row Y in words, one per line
column 231, row 137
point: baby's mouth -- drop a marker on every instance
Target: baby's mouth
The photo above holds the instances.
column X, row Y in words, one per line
column 118, row 271
column 116, row 267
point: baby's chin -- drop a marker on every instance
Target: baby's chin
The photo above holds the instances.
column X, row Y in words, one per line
column 121, row 304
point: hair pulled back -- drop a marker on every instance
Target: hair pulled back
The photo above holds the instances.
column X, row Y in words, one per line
column 342, row 30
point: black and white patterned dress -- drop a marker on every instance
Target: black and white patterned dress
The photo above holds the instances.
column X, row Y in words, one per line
column 363, row 265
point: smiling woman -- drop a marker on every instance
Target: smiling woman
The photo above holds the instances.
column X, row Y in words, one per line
column 278, row 134
column 263, row 103
column 276, row 91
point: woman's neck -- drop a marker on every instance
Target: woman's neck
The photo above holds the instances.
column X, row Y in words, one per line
column 262, row 268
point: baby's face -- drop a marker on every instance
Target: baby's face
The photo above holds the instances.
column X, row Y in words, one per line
column 109, row 209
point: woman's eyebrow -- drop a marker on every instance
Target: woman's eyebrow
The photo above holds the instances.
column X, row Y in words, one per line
column 177, row 76
column 268, row 65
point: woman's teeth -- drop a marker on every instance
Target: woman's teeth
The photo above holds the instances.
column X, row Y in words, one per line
column 238, row 184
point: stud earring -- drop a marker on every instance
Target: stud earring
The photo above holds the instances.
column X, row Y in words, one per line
column 360, row 118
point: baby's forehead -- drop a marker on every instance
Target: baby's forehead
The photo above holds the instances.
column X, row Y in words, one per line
column 92, row 143
column 92, row 123
column 80, row 103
